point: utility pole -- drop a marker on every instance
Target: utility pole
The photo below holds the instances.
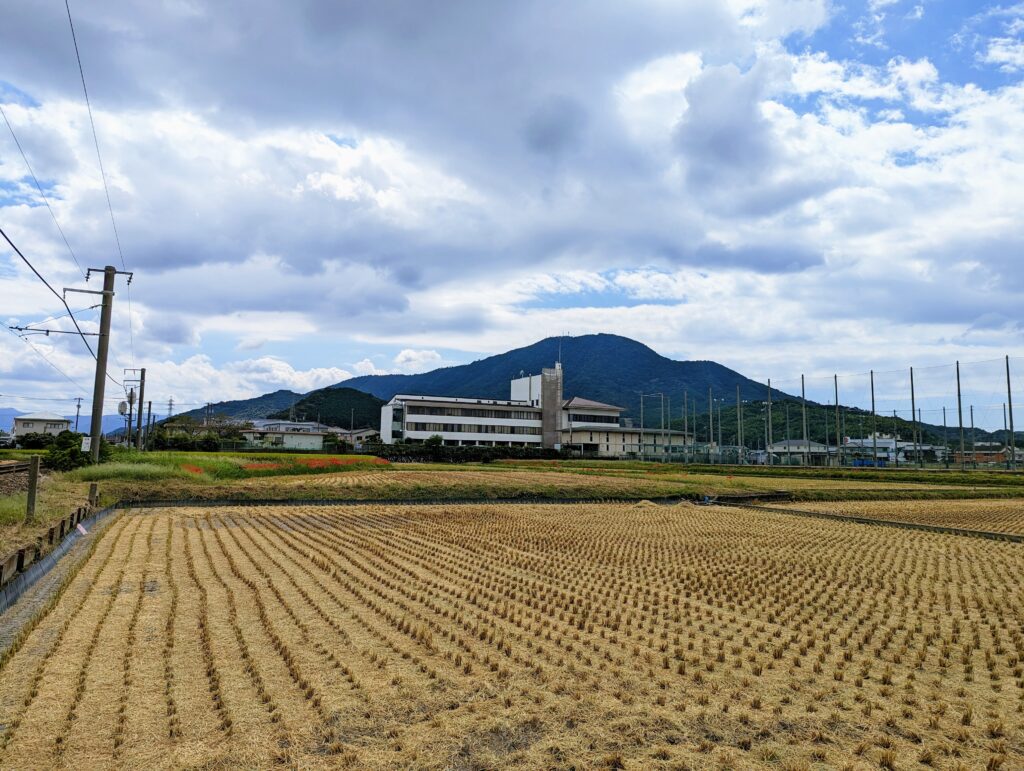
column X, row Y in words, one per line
column 149, row 424
column 102, row 349
column 768, row 426
column 960, row 414
column 78, row 410
column 142, row 396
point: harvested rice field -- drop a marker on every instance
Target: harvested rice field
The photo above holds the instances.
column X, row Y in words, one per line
column 994, row 515
column 497, row 483
column 538, row 636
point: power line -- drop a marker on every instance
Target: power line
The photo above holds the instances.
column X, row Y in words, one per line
column 40, row 189
column 45, row 358
column 103, row 174
column 60, row 297
column 48, row 286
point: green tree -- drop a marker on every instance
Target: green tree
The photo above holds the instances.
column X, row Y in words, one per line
column 65, row 452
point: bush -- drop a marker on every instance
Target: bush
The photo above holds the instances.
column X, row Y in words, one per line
column 426, row 453
column 34, row 441
column 65, row 452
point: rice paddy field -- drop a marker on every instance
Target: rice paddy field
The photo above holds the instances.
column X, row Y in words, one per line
column 532, row 635
column 993, row 515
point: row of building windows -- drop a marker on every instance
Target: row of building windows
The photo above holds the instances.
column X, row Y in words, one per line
column 575, row 418
column 471, row 412
column 468, row 428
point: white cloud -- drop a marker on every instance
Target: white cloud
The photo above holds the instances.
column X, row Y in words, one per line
column 1007, row 53
column 412, row 360
column 197, row 379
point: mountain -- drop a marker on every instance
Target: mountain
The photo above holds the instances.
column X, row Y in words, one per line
column 603, row 367
column 249, row 409
column 337, row 406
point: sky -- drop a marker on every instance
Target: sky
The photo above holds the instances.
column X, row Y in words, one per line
column 307, row 191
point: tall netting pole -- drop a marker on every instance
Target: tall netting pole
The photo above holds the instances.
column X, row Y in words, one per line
column 1009, row 402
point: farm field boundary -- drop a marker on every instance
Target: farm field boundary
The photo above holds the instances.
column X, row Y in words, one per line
column 944, row 529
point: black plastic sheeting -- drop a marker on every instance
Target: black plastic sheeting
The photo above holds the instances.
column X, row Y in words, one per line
column 17, row 586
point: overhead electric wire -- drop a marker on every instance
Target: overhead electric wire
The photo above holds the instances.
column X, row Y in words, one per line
column 40, row 189
column 59, row 297
column 103, row 174
column 45, row 358
column 56, row 294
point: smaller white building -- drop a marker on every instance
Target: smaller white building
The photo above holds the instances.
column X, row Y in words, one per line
column 39, row 423
column 285, row 440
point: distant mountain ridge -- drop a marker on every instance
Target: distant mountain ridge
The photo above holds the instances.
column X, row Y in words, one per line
column 249, row 409
column 336, row 406
column 606, row 368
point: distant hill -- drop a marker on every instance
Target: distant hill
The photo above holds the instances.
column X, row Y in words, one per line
column 607, row 368
column 249, row 409
column 337, row 406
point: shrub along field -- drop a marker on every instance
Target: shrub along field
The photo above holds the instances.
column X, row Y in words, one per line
column 531, row 635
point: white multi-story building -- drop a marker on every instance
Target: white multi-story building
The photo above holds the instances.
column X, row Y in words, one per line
column 536, row 415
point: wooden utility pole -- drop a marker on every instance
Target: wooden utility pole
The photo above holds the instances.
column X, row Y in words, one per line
column 768, row 438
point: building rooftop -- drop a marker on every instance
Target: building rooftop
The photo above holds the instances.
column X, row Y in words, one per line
column 51, row 417
column 578, row 402
column 462, row 400
column 799, row 445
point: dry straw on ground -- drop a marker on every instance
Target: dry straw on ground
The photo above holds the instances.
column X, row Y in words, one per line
column 994, row 515
column 541, row 636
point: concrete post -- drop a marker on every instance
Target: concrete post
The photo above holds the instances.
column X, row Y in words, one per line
column 33, row 483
